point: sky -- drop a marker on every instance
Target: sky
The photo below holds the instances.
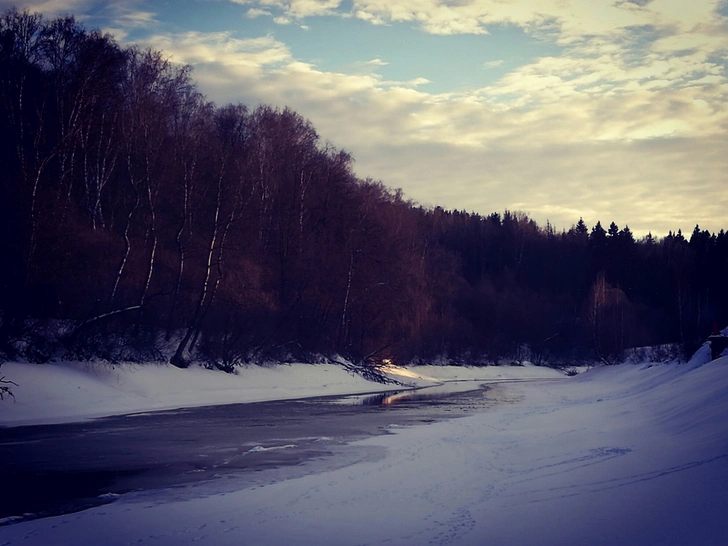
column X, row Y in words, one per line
column 609, row 110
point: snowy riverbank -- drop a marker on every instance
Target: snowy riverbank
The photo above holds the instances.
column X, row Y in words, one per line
column 629, row 454
column 66, row 392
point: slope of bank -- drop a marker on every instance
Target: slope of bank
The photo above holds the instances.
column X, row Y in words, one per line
column 67, row 392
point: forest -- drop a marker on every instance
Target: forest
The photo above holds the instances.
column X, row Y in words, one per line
column 140, row 221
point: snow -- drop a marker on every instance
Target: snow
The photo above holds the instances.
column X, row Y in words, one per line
column 629, row 454
column 67, row 392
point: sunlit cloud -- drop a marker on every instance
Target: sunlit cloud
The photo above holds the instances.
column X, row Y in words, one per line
column 196, row 48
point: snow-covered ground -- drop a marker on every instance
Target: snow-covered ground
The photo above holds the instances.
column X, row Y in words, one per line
column 630, row 454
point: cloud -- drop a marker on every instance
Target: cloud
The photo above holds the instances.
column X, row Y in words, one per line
column 221, row 48
column 49, row 8
column 651, row 185
column 133, row 18
column 629, row 127
column 416, row 82
column 252, row 13
column 493, row 64
column 119, row 34
column 125, row 15
column 607, row 44
column 293, row 9
column 568, row 21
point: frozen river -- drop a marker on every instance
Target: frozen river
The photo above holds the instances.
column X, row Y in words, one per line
column 56, row 469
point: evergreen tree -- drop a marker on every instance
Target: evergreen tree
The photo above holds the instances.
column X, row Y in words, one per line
column 613, row 231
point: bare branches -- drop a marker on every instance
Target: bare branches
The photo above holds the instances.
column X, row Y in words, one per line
column 5, row 388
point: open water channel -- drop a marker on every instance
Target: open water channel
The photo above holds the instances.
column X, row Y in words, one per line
column 55, row 469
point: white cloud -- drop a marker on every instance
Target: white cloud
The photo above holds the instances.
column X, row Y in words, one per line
column 252, row 13
column 220, row 48
column 493, row 64
column 573, row 19
column 416, row 82
column 294, row 9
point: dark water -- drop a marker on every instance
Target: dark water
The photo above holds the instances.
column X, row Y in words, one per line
column 55, row 469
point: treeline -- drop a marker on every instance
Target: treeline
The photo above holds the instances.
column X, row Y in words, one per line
column 135, row 216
